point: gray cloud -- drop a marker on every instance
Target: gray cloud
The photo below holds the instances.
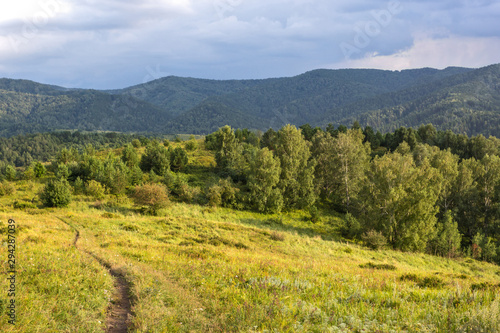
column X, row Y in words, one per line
column 112, row 43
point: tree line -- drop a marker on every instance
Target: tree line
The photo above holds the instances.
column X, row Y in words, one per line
column 414, row 189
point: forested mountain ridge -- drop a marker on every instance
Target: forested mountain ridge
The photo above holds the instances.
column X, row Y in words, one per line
column 464, row 100
column 29, row 107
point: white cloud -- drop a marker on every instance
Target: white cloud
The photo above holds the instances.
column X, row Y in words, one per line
column 435, row 53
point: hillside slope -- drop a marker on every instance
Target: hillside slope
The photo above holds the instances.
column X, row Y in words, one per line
column 461, row 99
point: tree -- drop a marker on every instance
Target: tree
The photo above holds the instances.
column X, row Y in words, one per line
column 342, row 162
column 466, row 198
column 227, row 149
column 178, row 158
column 156, row 158
column 297, row 169
column 57, row 193
column 401, row 200
column 39, row 169
column 151, row 197
column 263, row 180
column 129, row 156
column 10, row 173
column 448, row 240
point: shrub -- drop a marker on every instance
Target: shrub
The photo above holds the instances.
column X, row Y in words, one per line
column 39, row 170
column 57, row 193
column 374, row 239
column 62, row 171
column 78, row 186
column 191, row 145
column 351, row 227
column 23, row 205
column 371, row 265
column 7, row 188
column 222, row 194
column 136, row 143
column 151, row 197
column 95, row 189
column 277, row 236
column 188, row 193
column 314, row 212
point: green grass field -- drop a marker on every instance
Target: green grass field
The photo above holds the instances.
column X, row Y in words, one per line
column 196, row 268
column 199, row 269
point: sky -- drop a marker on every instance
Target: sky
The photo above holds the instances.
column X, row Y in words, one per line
column 106, row 44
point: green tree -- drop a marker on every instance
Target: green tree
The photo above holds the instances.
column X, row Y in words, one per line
column 10, row 173
column 263, row 180
column 156, row 158
column 57, row 193
column 297, row 169
column 466, row 198
column 448, row 239
column 39, row 169
column 401, row 200
column 227, row 149
column 178, row 158
column 130, row 156
column 62, row 171
column 341, row 165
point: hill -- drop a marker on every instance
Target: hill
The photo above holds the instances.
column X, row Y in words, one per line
column 198, row 268
column 464, row 100
column 29, row 107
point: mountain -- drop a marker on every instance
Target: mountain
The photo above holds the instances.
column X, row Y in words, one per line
column 29, row 107
column 462, row 99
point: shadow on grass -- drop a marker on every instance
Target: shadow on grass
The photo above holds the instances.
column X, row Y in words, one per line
column 277, row 224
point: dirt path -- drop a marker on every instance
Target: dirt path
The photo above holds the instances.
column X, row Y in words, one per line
column 120, row 308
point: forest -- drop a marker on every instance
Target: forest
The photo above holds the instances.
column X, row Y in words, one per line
column 417, row 190
column 462, row 100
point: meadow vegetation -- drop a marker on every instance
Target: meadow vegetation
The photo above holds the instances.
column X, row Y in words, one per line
column 201, row 254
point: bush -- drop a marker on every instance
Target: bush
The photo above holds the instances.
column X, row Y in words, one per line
column 57, row 193
column 314, row 212
column 151, row 197
column 78, row 186
column 95, row 189
column 372, row 265
column 222, row 194
column 7, row 188
column 188, row 193
column 136, row 143
column 39, row 170
column 62, row 171
column 191, row 145
column 351, row 227
column 374, row 239
column 23, row 205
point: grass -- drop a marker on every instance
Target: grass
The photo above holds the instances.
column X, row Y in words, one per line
column 200, row 269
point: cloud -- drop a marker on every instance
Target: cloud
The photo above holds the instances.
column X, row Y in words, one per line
column 436, row 53
column 115, row 43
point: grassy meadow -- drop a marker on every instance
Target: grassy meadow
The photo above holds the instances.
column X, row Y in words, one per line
column 196, row 268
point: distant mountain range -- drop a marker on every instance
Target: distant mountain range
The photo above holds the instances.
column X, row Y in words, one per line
column 464, row 100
